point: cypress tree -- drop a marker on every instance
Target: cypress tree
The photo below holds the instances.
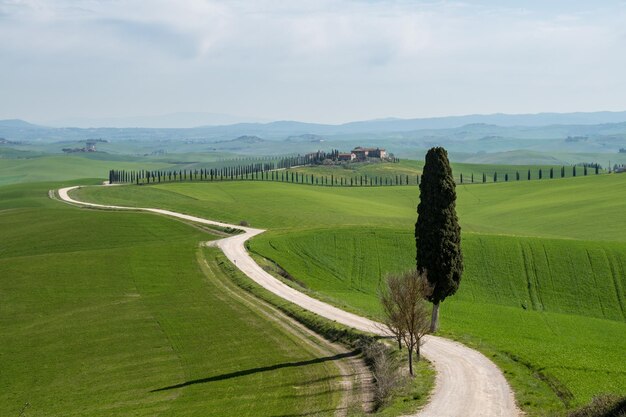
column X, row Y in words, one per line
column 437, row 231
column 517, row 175
column 529, row 175
column 495, row 177
column 597, row 169
column 540, row 174
column 551, row 173
column 461, row 178
column 574, row 171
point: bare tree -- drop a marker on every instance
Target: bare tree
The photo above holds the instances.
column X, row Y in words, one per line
column 393, row 317
column 406, row 312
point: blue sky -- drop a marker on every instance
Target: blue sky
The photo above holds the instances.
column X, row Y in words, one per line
column 319, row 61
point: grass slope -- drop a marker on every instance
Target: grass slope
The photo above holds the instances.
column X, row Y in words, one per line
column 556, row 305
column 64, row 167
column 544, row 284
column 104, row 314
column 587, row 208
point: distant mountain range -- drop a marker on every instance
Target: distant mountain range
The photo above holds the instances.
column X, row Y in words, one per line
column 225, row 124
column 165, row 121
column 599, row 132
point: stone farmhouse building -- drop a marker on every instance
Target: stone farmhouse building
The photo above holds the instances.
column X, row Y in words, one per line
column 351, row 156
column 364, row 153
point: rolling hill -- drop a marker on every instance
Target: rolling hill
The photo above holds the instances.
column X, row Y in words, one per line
column 543, row 294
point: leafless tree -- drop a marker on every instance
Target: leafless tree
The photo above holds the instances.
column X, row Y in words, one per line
column 392, row 319
column 406, row 313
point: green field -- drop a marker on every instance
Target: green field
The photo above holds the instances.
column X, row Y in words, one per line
column 535, row 208
column 64, row 167
column 545, row 275
column 115, row 314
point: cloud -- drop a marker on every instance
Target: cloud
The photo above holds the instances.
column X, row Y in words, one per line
column 325, row 60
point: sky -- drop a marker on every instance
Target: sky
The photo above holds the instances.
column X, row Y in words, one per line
column 309, row 60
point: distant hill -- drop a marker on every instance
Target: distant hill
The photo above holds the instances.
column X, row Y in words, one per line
column 182, row 120
column 476, row 135
column 18, row 124
column 499, row 119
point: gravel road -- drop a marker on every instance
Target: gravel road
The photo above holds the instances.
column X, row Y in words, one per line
column 467, row 384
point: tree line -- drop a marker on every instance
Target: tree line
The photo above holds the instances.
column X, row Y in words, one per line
column 275, row 171
column 541, row 173
column 255, row 172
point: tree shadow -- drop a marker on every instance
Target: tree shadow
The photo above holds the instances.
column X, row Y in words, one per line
column 257, row 370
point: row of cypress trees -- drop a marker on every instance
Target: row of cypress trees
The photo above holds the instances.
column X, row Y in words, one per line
column 540, row 174
column 274, row 171
column 263, row 172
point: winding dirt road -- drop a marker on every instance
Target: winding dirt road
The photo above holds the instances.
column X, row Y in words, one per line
column 467, row 383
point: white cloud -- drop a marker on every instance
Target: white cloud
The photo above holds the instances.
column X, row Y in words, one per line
column 312, row 60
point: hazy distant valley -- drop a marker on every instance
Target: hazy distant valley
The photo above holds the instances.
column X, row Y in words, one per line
column 498, row 139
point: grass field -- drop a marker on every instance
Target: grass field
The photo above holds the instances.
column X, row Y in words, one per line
column 63, row 168
column 544, row 285
column 110, row 314
column 554, row 304
column 577, row 208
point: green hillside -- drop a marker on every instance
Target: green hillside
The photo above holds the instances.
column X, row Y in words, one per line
column 544, row 285
column 564, row 276
column 63, row 168
column 585, row 208
column 110, row 314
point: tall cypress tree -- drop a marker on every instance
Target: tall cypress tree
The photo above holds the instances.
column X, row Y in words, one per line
column 437, row 231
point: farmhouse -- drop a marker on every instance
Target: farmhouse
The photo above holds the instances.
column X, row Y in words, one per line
column 364, row 153
column 346, row 156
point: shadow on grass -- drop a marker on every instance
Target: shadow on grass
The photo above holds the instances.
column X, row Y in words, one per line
column 257, row 370
column 312, row 413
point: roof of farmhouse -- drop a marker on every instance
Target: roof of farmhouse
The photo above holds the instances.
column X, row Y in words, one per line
column 359, row 148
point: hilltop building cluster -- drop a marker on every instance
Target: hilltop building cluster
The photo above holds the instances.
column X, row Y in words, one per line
column 362, row 154
column 358, row 154
column 90, row 146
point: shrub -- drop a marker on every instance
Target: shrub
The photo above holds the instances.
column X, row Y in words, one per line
column 603, row 406
column 385, row 367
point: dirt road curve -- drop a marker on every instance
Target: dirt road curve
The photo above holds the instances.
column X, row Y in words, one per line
column 467, row 383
